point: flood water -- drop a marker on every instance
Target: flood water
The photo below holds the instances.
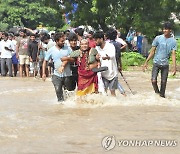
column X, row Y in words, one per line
column 31, row 120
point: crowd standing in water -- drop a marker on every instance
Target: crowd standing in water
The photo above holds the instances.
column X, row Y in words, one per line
column 88, row 63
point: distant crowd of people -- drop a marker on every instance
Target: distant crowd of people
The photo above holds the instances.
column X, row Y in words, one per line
column 137, row 42
column 89, row 63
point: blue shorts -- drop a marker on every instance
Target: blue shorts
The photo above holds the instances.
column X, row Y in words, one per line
column 14, row 59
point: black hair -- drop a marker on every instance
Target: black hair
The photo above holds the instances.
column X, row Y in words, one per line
column 167, row 25
column 16, row 34
column 67, row 31
column 79, row 31
column 99, row 34
column 32, row 34
column 58, row 35
column 44, row 33
column 111, row 34
column 22, row 30
column 5, row 34
column 91, row 32
column 45, row 37
column 11, row 34
column 72, row 37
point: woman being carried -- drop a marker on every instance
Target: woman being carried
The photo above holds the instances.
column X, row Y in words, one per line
column 86, row 59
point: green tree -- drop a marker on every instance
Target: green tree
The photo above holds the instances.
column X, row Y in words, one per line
column 145, row 16
column 30, row 13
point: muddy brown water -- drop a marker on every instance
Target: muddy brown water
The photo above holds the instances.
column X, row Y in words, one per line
column 31, row 120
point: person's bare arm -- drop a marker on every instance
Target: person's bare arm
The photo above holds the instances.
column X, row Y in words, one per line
column 65, row 60
column 174, row 62
column 93, row 65
column 30, row 30
column 152, row 52
column 17, row 50
column 39, row 48
column 123, row 46
column 61, row 68
column 68, row 59
column 120, row 65
column 44, row 70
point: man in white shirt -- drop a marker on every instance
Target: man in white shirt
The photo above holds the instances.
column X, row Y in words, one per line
column 107, row 58
column 14, row 59
column 6, row 48
column 121, row 41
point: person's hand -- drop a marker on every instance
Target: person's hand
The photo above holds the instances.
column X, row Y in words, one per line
column 6, row 48
column 145, row 66
column 44, row 77
column 107, row 57
column 64, row 58
column 119, row 68
column 87, row 68
column 17, row 56
column 61, row 69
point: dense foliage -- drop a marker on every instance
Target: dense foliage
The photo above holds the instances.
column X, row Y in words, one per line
column 29, row 13
column 132, row 59
column 145, row 16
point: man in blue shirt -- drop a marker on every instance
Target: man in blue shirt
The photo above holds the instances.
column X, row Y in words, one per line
column 59, row 79
column 162, row 47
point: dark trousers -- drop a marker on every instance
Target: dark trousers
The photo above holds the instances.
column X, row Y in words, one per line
column 60, row 83
column 0, row 66
column 15, row 67
column 164, row 75
column 6, row 62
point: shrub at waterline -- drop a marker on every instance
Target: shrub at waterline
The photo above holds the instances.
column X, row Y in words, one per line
column 132, row 59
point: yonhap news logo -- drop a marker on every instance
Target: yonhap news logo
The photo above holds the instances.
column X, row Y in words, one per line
column 110, row 142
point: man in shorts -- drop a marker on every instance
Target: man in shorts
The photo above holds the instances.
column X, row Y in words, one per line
column 107, row 54
column 22, row 52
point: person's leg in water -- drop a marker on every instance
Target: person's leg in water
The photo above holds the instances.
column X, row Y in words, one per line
column 27, row 70
column 155, row 71
column 0, row 65
column 106, row 84
column 112, row 85
column 3, row 66
column 15, row 69
column 121, row 89
column 9, row 66
column 113, row 93
column 58, row 83
column 164, row 76
column 35, row 69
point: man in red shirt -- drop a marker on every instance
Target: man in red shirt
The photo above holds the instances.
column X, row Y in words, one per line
column 92, row 43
